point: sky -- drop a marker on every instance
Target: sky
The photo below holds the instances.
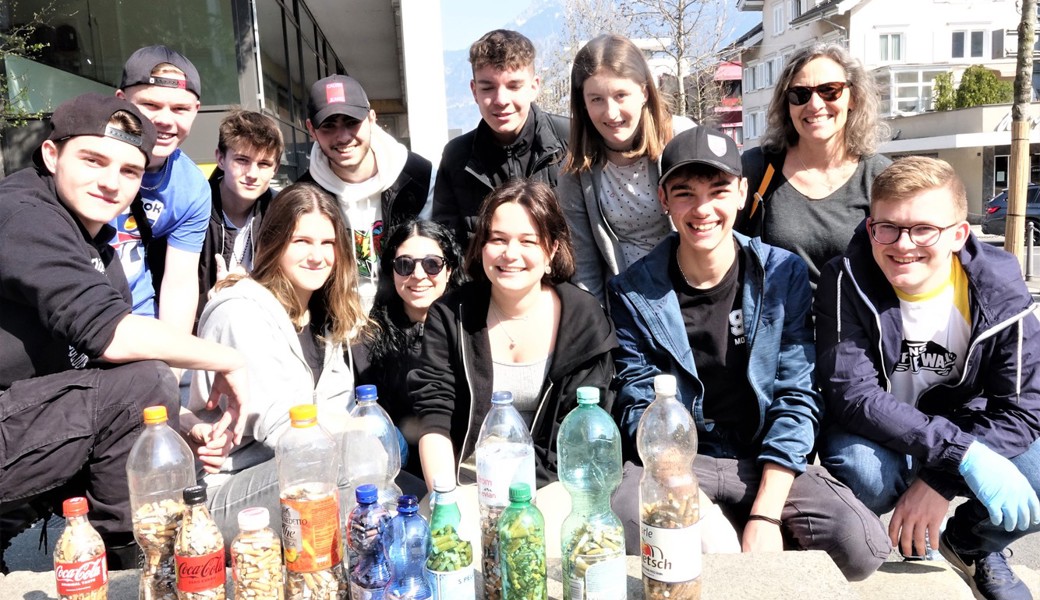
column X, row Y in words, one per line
column 463, row 21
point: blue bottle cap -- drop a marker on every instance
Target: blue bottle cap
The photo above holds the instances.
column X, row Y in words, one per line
column 520, row 492
column 502, row 398
column 588, row 395
column 366, row 392
column 407, row 504
column 366, row 493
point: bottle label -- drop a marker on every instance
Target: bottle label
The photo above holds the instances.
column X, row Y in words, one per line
column 452, row 585
column 81, row 577
column 200, row 573
column 670, row 555
column 362, row 593
column 310, row 533
column 603, row 580
column 499, row 467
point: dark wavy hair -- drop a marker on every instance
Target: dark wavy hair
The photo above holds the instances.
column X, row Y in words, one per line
column 387, row 330
column 540, row 202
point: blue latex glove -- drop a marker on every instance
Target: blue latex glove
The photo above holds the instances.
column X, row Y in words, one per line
column 1001, row 488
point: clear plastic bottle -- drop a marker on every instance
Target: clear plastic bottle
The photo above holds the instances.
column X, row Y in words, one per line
column 308, row 467
column 371, row 450
column 405, row 541
column 199, row 551
column 365, row 526
column 80, row 569
column 505, row 455
column 256, row 557
column 521, row 533
column 159, row 467
column 593, row 538
column 669, row 532
column 449, row 562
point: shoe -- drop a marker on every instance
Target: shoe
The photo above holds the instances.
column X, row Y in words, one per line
column 989, row 574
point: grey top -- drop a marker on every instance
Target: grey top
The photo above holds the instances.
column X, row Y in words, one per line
column 525, row 380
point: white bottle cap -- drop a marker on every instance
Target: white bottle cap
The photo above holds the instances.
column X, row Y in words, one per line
column 444, row 482
column 253, row 519
column 664, row 385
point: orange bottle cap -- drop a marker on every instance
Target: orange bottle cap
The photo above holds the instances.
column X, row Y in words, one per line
column 74, row 507
column 154, row 414
column 302, row 413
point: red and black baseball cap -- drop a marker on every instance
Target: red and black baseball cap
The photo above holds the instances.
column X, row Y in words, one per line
column 138, row 70
column 337, row 95
column 90, row 114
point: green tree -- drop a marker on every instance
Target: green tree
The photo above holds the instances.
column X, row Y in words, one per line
column 18, row 41
column 944, row 95
column 980, row 86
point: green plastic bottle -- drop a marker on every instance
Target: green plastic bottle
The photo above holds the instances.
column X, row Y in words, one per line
column 521, row 547
column 449, row 561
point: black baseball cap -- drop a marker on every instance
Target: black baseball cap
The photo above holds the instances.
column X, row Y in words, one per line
column 89, row 114
column 701, row 145
column 337, row 95
column 138, row 70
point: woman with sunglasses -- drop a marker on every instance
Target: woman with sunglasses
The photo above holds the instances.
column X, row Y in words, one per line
column 518, row 326
column 809, row 181
column 420, row 262
column 292, row 317
column 619, row 126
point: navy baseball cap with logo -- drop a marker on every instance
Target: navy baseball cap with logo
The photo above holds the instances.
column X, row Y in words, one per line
column 337, row 95
column 701, row 145
column 138, row 70
column 90, row 114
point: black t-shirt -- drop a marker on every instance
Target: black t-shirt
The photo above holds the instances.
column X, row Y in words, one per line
column 714, row 320
column 313, row 350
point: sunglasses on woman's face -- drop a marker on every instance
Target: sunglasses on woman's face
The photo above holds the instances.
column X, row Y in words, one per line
column 404, row 265
column 828, row 92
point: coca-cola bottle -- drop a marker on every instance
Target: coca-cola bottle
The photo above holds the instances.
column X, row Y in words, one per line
column 199, row 551
column 80, row 570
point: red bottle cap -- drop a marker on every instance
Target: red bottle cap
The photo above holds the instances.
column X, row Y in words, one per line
column 74, row 507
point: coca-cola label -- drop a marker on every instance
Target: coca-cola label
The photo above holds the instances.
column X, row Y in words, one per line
column 81, row 577
column 200, row 573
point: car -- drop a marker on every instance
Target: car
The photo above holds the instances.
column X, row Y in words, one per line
column 995, row 218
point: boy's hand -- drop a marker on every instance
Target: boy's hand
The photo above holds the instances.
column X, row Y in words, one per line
column 232, row 385
column 211, row 450
column 919, row 512
column 1001, row 488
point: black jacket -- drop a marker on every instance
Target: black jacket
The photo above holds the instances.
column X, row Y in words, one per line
column 217, row 241
column 403, row 200
column 456, row 368
column 465, row 178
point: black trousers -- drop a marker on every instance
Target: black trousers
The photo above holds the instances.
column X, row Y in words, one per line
column 70, row 433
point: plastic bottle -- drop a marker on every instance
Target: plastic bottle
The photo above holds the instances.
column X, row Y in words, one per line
column 521, row 534
column 365, row 527
column 449, row 562
column 669, row 533
column 372, row 453
column 405, row 541
column 308, row 466
column 256, row 557
column 160, row 465
column 505, row 455
column 80, row 568
column 592, row 536
column 199, row 551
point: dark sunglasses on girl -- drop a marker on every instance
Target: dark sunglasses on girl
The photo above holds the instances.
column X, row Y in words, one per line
column 828, row 92
column 404, row 265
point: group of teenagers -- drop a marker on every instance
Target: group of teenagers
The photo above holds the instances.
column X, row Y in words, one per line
column 844, row 343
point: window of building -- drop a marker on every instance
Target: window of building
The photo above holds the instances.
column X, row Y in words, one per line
column 906, row 91
column 890, row 47
column 749, row 79
column 778, row 18
column 754, row 124
column 796, row 9
column 968, row 44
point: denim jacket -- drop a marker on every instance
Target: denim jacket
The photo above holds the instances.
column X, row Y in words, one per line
column 781, row 355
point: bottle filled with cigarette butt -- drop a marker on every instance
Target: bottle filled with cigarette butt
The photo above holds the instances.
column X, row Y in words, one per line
column 449, row 561
column 256, row 558
column 308, row 466
column 406, row 540
column 80, row 569
column 521, row 539
column 159, row 467
column 669, row 534
column 593, row 552
column 365, row 527
column 199, row 551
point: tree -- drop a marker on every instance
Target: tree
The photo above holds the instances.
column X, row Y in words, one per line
column 19, row 41
column 980, row 86
column 943, row 92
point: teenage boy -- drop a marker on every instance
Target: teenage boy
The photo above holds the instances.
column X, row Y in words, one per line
column 930, row 367
column 249, row 150
column 513, row 139
column 159, row 238
column 728, row 316
column 76, row 367
column 379, row 183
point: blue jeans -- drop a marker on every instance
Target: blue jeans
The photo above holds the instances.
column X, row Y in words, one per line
column 879, row 476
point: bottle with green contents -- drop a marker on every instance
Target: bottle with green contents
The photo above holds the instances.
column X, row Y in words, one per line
column 593, row 539
column 521, row 547
column 449, row 561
